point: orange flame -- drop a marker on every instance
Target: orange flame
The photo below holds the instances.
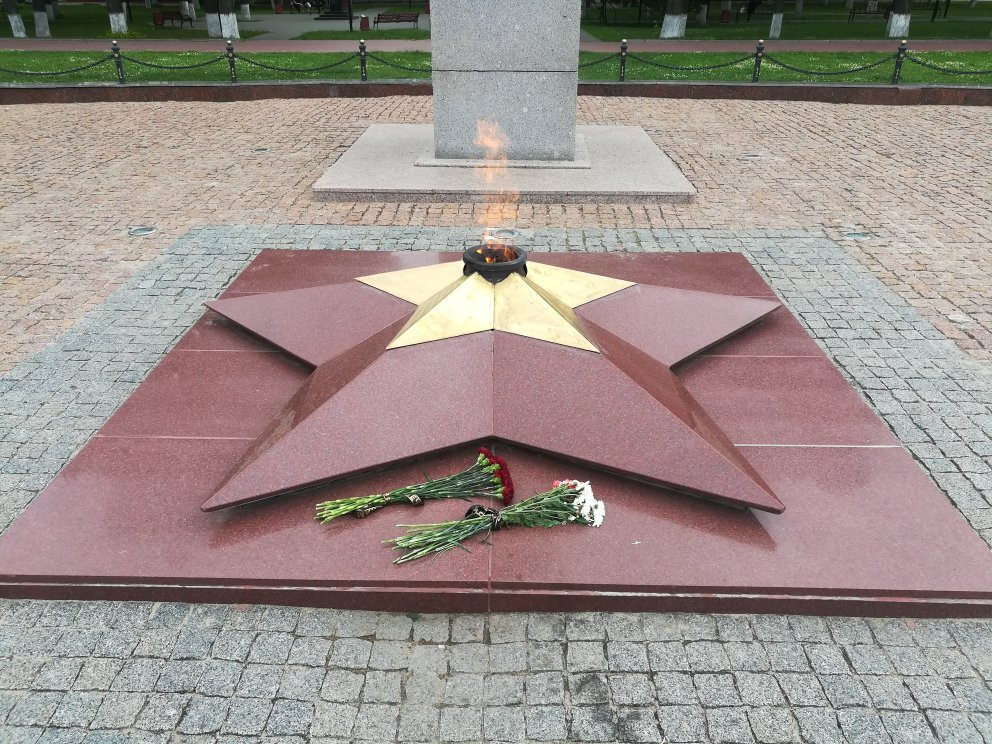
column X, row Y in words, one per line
column 501, row 203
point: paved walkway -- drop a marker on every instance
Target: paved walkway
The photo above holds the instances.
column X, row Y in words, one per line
column 260, row 44
column 86, row 311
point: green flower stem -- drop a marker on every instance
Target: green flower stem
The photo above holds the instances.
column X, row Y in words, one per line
column 480, row 480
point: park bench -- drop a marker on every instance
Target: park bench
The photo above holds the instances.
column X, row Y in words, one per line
column 870, row 7
column 159, row 17
column 413, row 18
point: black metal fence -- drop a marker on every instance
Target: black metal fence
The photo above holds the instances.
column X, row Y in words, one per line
column 231, row 59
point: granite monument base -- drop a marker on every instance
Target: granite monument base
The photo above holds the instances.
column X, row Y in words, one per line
column 864, row 530
column 391, row 162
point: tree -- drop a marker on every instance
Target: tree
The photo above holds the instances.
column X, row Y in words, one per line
column 14, row 16
column 777, row 14
column 118, row 19
column 898, row 27
column 41, row 29
column 676, row 11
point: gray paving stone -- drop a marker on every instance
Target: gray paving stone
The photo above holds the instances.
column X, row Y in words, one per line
column 290, row 717
column 461, row 724
column 503, row 724
column 546, row 722
column 418, row 723
column 592, row 723
column 588, row 689
column 728, row 726
column 342, row 686
column 333, row 720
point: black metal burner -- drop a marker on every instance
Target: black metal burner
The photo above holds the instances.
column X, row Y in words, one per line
column 500, row 264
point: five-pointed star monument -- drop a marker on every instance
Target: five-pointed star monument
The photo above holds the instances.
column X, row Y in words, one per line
column 564, row 362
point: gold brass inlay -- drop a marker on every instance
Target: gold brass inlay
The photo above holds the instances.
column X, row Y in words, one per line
column 465, row 307
column 572, row 287
column 521, row 310
column 538, row 306
column 416, row 285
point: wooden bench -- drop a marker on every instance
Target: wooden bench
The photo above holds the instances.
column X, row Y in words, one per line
column 159, row 17
column 413, row 18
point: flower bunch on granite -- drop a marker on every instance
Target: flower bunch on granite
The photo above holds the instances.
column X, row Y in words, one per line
column 488, row 477
column 566, row 501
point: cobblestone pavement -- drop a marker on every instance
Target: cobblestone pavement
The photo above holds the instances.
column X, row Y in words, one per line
column 115, row 671
column 74, row 177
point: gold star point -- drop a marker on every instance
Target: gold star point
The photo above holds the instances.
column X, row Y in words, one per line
column 538, row 306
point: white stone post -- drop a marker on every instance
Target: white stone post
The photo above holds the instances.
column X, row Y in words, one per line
column 14, row 18
column 898, row 27
column 41, row 29
column 510, row 62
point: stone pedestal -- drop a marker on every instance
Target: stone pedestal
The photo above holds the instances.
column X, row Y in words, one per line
column 512, row 62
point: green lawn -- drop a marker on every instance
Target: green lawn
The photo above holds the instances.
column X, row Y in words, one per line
column 817, row 22
column 91, row 21
column 387, row 33
column 636, row 69
column 770, row 72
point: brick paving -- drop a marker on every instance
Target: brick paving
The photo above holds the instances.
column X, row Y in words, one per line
column 75, row 177
column 905, row 315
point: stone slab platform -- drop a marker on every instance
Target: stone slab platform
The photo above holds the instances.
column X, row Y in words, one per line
column 864, row 530
column 625, row 166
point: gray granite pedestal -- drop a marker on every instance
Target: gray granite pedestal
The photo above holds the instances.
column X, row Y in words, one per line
column 509, row 66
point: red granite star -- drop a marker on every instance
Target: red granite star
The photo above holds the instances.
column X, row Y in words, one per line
column 578, row 365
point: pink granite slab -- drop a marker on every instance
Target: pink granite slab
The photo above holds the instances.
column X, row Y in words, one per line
column 672, row 325
column 865, row 530
column 123, row 520
column 783, row 400
column 365, row 424
column 316, row 324
column 209, row 394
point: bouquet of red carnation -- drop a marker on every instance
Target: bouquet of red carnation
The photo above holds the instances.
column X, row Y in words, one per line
column 567, row 501
column 488, row 477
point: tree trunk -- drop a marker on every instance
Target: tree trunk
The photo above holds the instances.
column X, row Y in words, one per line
column 187, row 7
column 118, row 18
column 898, row 27
column 973, row 3
column 245, row 11
column 50, row 11
column 673, row 27
column 41, row 29
column 777, row 14
column 14, row 16
column 228, row 20
column 848, row 4
column 799, row 8
column 702, row 14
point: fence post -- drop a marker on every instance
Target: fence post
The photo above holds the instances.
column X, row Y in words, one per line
column 116, row 51
column 900, row 56
column 230, row 61
column 362, row 61
column 758, row 55
column 623, row 60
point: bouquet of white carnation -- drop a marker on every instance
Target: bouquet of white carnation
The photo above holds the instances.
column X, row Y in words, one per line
column 566, row 501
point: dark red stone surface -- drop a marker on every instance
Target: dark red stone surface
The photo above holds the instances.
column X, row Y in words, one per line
column 316, row 324
column 312, row 440
column 865, row 531
column 672, row 325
